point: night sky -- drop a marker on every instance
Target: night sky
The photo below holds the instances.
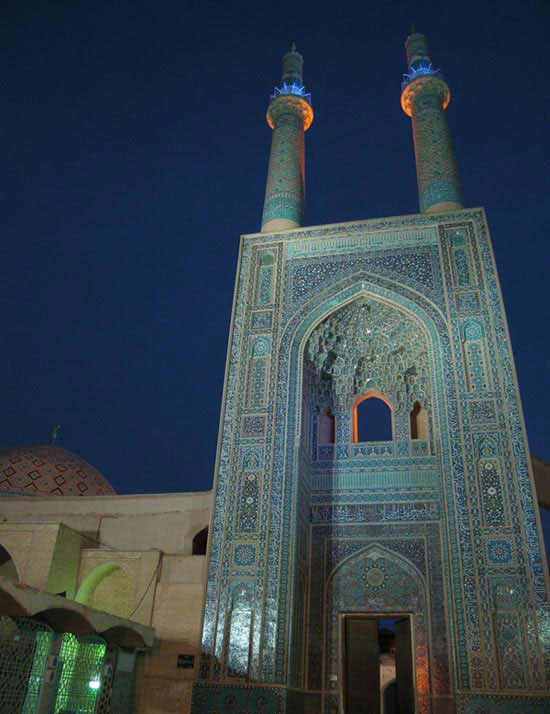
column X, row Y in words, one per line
column 134, row 154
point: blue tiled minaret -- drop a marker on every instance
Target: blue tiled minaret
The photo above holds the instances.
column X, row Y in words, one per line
column 289, row 115
column 425, row 96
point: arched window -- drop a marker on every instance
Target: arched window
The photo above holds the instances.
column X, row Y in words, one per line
column 325, row 428
column 200, row 541
column 372, row 418
column 420, row 423
column 7, row 566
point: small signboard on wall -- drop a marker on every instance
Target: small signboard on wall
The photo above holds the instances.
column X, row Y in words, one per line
column 186, row 661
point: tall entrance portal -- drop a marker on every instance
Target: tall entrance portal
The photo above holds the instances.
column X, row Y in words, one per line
column 377, row 665
column 325, row 526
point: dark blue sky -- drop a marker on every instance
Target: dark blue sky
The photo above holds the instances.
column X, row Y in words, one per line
column 135, row 149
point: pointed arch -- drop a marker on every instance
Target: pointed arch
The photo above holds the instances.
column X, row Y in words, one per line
column 92, row 581
column 378, row 550
column 298, row 327
column 418, row 307
column 200, row 542
column 374, row 581
column 358, row 428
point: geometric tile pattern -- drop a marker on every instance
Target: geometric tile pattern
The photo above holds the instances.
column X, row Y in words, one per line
column 509, row 631
column 245, row 554
column 500, row 551
column 46, row 470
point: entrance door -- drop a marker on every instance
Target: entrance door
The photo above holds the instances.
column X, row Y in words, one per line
column 362, row 677
column 370, row 640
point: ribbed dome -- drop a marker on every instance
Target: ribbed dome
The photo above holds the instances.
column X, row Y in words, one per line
column 45, row 470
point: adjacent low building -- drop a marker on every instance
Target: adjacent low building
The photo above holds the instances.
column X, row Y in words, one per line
column 95, row 584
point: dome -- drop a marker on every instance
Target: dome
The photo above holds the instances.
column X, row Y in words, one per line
column 47, row 470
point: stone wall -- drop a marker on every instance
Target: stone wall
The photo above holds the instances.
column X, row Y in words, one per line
column 177, row 619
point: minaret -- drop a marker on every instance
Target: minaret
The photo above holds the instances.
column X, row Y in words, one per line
column 289, row 115
column 424, row 97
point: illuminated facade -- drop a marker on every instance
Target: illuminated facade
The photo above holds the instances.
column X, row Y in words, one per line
column 314, row 527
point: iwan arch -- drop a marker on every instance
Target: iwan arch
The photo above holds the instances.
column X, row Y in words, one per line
column 322, row 540
column 391, row 577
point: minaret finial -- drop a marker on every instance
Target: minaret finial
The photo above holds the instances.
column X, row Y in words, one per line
column 289, row 115
column 293, row 63
column 424, row 96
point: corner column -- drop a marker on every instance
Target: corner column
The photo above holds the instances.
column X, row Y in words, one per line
column 289, row 114
column 424, row 97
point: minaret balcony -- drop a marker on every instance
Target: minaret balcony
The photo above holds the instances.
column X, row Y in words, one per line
column 295, row 88
column 420, row 69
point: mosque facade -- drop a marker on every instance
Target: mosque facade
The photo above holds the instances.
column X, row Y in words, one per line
column 324, row 533
column 374, row 542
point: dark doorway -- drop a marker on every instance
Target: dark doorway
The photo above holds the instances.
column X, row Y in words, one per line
column 378, row 665
column 200, row 542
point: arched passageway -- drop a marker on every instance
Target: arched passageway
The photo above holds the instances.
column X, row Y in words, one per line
column 366, row 591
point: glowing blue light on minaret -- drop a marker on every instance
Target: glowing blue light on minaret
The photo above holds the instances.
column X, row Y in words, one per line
column 420, row 69
column 294, row 88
